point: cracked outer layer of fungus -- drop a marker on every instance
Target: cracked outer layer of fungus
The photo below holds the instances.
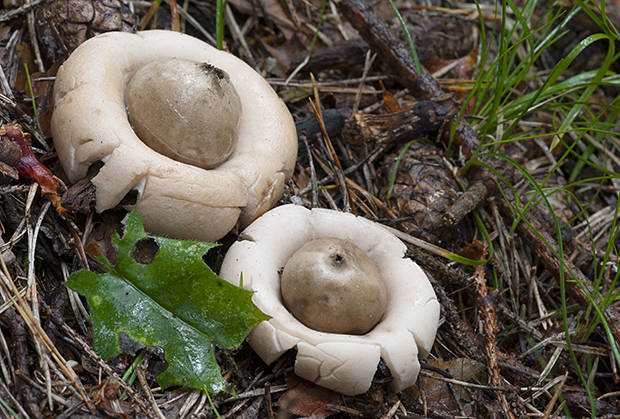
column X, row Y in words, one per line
column 345, row 363
column 180, row 200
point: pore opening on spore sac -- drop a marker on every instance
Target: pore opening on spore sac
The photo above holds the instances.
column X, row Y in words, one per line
column 211, row 69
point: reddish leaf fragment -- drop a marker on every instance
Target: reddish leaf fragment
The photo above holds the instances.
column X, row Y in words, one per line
column 307, row 399
column 29, row 166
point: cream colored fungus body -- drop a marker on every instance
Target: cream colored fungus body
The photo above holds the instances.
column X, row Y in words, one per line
column 90, row 123
column 342, row 362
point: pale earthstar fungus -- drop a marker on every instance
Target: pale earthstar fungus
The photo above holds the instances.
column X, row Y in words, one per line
column 341, row 362
column 188, row 188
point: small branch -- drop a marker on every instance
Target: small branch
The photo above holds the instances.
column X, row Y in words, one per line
column 487, row 304
column 380, row 38
column 10, row 14
column 149, row 393
column 391, row 50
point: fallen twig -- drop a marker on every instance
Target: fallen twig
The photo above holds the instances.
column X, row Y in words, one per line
column 424, row 119
column 22, row 362
column 10, row 14
column 379, row 37
column 487, row 306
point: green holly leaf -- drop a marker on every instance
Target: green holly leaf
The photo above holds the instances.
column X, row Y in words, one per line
column 176, row 303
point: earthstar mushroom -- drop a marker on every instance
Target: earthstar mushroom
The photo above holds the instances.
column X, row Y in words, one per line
column 342, row 362
column 176, row 199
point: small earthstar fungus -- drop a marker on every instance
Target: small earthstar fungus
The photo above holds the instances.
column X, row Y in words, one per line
column 207, row 143
column 345, row 362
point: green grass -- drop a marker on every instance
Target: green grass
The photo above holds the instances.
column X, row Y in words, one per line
column 403, row 25
column 8, row 408
column 220, row 19
column 397, row 165
column 510, row 87
column 130, row 374
column 32, row 98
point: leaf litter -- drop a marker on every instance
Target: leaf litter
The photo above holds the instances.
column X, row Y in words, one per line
column 533, row 369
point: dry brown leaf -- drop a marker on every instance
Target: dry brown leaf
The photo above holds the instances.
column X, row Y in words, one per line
column 473, row 250
column 390, row 103
column 307, row 399
column 436, row 391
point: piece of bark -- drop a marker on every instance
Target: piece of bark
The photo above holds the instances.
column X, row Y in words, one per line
column 424, row 119
column 79, row 197
column 10, row 155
